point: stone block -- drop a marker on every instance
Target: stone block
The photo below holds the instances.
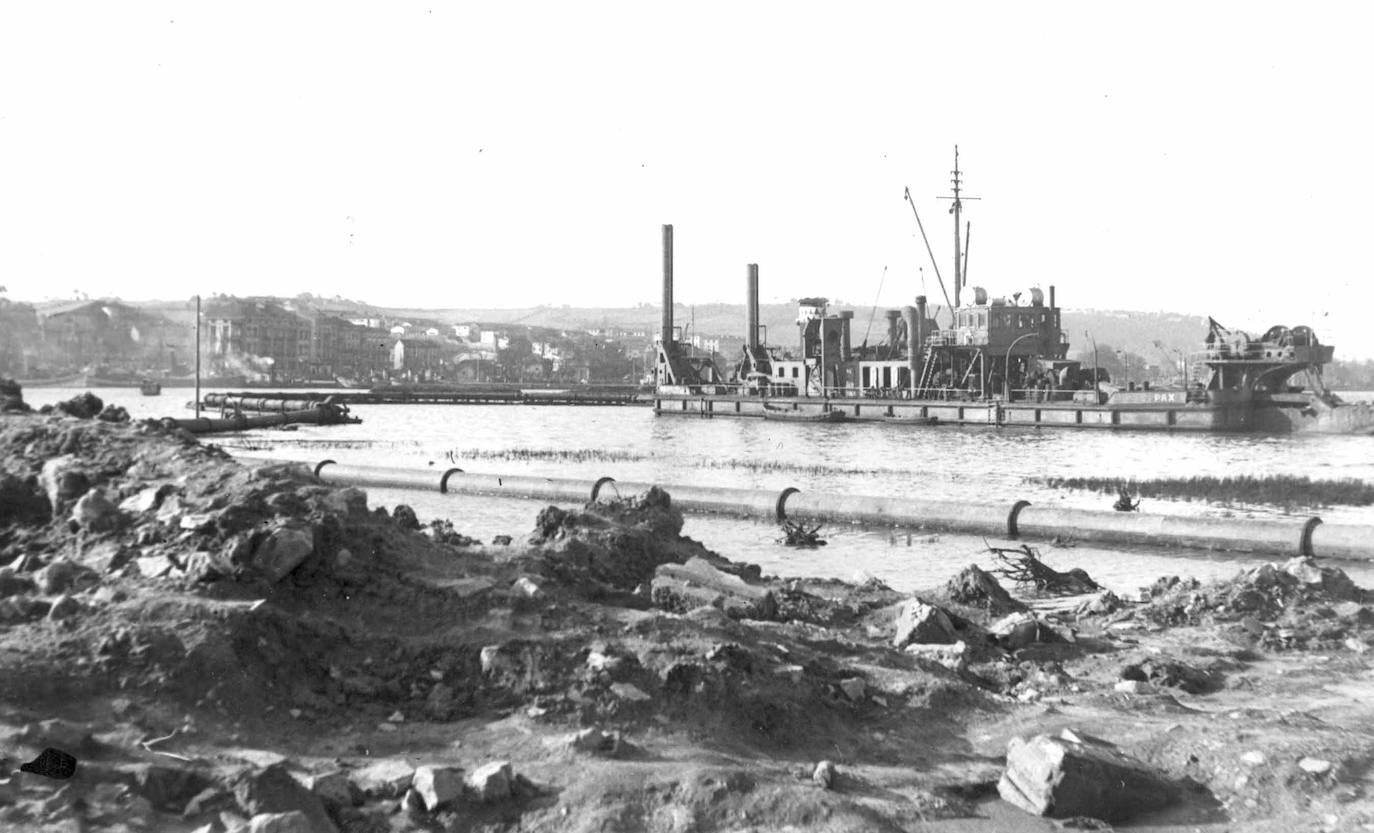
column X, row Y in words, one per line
column 1075, row 775
column 923, row 623
column 438, row 786
column 384, row 779
column 491, row 782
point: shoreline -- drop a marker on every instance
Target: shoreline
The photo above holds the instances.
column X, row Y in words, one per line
column 216, row 642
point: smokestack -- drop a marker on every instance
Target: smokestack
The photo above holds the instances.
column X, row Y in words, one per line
column 1051, row 296
column 667, row 285
column 913, row 341
column 893, row 316
column 751, row 336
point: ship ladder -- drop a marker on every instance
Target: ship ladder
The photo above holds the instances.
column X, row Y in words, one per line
column 927, row 374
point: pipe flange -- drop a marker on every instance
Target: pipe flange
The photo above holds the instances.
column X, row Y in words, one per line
column 1015, row 512
column 780, row 508
column 596, row 487
column 1305, row 544
column 443, row 481
column 321, row 464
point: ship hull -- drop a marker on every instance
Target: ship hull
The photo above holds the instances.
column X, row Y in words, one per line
column 1222, row 414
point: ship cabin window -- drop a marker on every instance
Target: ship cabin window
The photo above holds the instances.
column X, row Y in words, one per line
column 794, row 373
column 866, row 375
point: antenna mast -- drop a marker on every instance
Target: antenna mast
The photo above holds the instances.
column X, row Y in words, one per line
column 957, row 209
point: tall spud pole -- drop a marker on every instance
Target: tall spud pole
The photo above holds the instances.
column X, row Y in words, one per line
column 197, row 357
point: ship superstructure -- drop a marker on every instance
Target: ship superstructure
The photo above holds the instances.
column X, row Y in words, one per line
column 995, row 361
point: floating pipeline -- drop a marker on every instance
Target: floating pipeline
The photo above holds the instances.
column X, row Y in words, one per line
column 321, row 414
column 1276, row 536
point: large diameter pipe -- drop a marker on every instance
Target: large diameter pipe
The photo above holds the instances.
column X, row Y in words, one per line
column 751, row 290
column 987, row 519
column 1286, row 537
column 667, row 285
column 1281, row 537
column 1342, row 541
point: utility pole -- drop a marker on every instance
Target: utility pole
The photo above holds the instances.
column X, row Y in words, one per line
column 197, row 357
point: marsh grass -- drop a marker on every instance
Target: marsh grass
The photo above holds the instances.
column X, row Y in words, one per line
column 1278, row 489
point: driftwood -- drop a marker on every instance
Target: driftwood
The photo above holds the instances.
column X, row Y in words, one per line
column 797, row 535
column 1023, row 566
column 1123, row 501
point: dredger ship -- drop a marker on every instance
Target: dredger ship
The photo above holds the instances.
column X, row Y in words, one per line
column 995, row 362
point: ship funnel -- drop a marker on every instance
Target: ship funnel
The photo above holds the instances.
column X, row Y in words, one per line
column 893, row 316
column 751, row 302
column 667, row 285
column 914, row 336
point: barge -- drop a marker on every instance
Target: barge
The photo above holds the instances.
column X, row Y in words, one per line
column 994, row 362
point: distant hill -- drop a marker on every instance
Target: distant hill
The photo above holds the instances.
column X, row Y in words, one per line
column 1133, row 331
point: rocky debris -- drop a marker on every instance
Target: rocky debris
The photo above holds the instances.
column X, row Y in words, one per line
column 1099, row 605
column 918, row 621
column 283, row 550
column 975, row 587
column 272, row 790
column 82, row 406
column 613, row 546
column 404, row 517
column 388, row 778
column 63, row 481
column 1281, row 606
column 824, row 775
column 1015, row 631
column 683, row 587
column 21, row 501
column 491, row 782
column 952, row 656
column 594, row 741
column 1077, row 775
column 437, row 786
column 332, row 786
column 292, row 822
column 113, row 413
column 442, row 531
column 1168, row 673
column 94, row 512
column 15, row 584
column 12, row 397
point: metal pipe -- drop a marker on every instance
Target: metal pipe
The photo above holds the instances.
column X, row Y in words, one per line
column 1277, row 537
column 667, row 285
column 751, row 335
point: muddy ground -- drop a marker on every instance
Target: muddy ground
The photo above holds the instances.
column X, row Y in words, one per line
column 216, row 644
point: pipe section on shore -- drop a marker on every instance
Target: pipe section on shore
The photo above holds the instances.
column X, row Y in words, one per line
column 1284, row 537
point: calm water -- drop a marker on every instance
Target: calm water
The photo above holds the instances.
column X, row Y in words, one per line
column 992, row 465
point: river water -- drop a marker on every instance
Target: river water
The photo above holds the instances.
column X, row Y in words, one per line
column 941, row 462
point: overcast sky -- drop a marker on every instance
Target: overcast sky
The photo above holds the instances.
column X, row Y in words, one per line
column 1209, row 158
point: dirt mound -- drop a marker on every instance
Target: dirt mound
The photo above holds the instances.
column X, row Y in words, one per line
column 612, row 546
column 1299, row 603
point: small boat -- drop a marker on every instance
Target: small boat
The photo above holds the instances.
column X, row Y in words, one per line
column 793, row 415
column 150, row 387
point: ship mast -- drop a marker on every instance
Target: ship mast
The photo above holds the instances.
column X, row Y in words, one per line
column 957, row 210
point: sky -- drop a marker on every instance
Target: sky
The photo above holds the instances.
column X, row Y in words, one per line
column 1204, row 158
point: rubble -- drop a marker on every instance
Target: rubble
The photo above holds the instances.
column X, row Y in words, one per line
column 697, row 583
column 253, row 648
column 438, row 786
column 924, row 623
column 1074, row 775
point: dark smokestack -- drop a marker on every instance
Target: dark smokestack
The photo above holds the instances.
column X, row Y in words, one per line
column 893, row 316
column 751, row 336
column 1051, row 296
column 667, row 285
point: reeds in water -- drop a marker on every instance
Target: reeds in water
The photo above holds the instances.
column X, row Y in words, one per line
column 1276, row 489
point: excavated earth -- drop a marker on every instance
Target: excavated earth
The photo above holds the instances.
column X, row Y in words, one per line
column 215, row 644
